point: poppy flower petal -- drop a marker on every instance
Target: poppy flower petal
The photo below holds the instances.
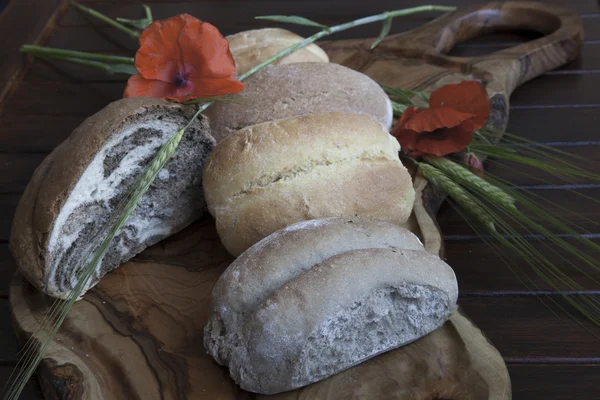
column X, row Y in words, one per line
column 205, row 51
column 407, row 115
column 407, row 139
column 159, row 55
column 466, row 96
column 208, row 87
column 190, row 57
column 431, row 119
column 444, row 141
column 138, row 86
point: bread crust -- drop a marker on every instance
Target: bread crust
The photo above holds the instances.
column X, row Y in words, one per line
column 270, row 302
column 271, row 343
column 284, row 255
column 271, row 175
column 250, row 48
column 57, row 175
column 291, row 90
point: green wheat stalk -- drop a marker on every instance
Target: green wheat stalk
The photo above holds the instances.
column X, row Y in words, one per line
column 504, row 192
column 398, row 108
column 457, row 193
column 499, row 212
column 551, row 165
column 404, row 96
column 500, row 251
column 530, row 254
column 542, row 267
column 467, row 178
column 531, row 146
column 491, row 197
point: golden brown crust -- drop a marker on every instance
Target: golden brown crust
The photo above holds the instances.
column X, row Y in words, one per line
column 270, row 175
column 56, row 177
column 250, row 48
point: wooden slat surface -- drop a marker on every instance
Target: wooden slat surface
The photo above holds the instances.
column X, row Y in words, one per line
column 17, row 20
column 549, row 355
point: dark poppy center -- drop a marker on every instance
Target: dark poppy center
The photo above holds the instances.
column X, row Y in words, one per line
column 438, row 134
column 181, row 80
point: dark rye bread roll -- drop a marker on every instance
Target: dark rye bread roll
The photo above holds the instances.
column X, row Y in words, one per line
column 291, row 90
column 268, row 176
column 77, row 187
column 321, row 296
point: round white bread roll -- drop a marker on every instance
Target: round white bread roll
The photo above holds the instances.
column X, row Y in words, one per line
column 291, row 90
column 268, row 176
column 321, row 296
column 250, row 48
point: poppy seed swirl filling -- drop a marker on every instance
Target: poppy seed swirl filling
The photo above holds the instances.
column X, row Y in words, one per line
column 172, row 202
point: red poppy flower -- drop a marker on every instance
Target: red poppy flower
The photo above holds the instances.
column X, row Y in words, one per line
column 455, row 112
column 182, row 58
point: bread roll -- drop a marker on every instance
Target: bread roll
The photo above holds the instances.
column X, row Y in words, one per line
column 321, row 296
column 250, row 48
column 292, row 90
column 79, row 185
column 258, row 271
column 268, row 176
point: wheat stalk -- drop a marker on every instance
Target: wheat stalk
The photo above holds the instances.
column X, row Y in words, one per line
column 456, row 193
column 462, row 175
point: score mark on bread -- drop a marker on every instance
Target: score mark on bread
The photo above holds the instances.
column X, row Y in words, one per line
column 271, row 175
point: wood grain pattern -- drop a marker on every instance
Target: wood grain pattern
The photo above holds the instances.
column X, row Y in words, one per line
column 145, row 320
column 132, row 316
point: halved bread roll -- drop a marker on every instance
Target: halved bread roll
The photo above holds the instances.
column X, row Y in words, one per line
column 250, row 48
column 291, row 90
column 271, row 175
column 321, row 296
column 77, row 187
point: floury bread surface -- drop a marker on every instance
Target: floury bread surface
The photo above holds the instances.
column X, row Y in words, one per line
column 292, row 90
column 268, row 176
column 76, row 188
column 321, row 296
column 250, row 48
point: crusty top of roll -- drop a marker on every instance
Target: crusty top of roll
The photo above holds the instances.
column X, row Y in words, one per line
column 287, row 253
column 319, row 286
column 273, row 151
column 290, row 90
column 275, row 334
column 351, row 275
column 250, row 48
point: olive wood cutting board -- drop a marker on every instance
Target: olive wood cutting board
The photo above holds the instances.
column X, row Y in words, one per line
column 138, row 334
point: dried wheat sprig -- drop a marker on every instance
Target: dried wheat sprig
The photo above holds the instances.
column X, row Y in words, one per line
column 457, row 193
column 466, row 178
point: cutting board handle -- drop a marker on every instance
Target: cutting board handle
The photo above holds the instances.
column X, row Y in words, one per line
column 508, row 68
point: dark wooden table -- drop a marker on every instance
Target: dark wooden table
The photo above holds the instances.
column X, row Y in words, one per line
column 549, row 356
